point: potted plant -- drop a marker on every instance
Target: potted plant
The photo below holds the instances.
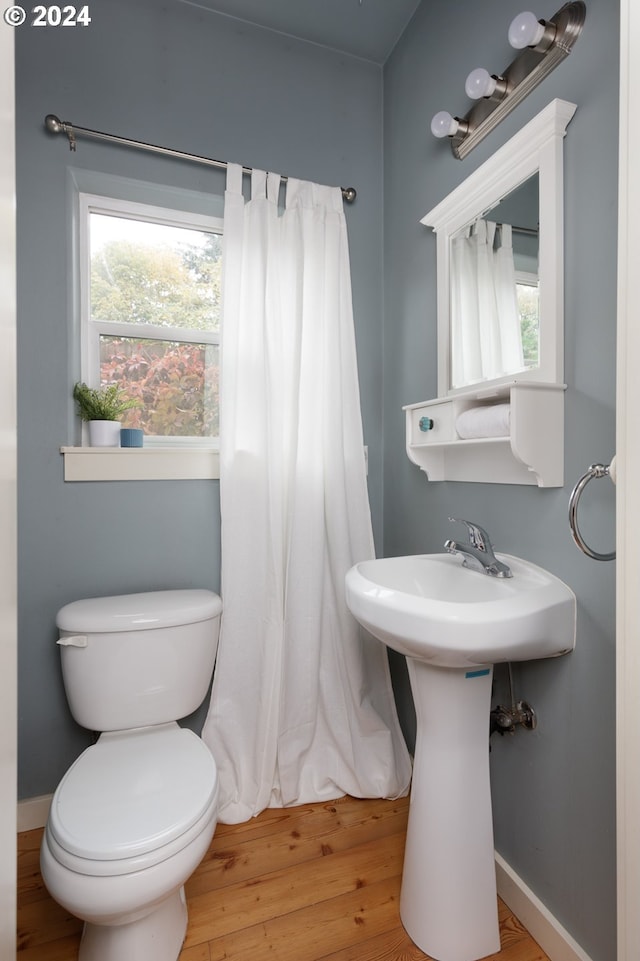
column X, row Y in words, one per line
column 102, row 407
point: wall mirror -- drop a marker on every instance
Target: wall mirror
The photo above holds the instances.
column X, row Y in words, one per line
column 500, row 263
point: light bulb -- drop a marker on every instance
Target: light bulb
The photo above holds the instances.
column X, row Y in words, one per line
column 525, row 31
column 443, row 124
column 480, row 84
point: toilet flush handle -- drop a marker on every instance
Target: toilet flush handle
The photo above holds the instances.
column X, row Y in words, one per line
column 73, row 640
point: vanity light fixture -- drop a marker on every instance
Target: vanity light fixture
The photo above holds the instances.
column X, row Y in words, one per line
column 543, row 44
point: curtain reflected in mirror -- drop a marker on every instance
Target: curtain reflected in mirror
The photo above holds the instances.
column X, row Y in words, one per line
column 494, row 323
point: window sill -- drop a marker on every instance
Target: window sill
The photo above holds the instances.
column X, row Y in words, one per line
column 141, row 464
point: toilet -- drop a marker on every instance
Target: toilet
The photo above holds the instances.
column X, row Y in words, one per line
column 134, row 815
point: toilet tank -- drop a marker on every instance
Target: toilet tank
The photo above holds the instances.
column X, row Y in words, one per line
column 138, row 659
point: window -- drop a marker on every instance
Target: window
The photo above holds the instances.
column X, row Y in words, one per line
column 150, row 290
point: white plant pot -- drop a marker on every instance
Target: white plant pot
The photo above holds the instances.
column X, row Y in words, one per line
column 104, row 433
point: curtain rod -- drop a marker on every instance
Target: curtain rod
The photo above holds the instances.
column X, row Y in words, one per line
column 54, row 125
column 533, row 231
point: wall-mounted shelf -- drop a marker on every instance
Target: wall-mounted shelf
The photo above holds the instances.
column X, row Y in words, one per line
column 135, row 464
column 532, row 453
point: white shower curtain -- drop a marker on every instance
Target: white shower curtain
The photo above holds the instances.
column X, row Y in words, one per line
column 486, row 339
column 302, row 707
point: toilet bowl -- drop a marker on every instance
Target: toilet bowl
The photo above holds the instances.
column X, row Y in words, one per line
column 134, row 815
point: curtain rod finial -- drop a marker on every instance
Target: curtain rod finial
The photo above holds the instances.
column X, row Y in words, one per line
column 53, row 124
column 349, row 194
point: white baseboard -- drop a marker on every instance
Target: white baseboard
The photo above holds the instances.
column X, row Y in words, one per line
column 33, row 812
column 537, row 919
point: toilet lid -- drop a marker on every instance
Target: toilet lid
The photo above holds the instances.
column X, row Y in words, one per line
column 132, row 792
column 138, row 612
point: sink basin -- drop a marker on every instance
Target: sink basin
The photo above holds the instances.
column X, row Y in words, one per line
column 453, row 624
column 431, row 607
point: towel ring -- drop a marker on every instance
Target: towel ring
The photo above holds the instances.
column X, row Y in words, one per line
column 595, row 470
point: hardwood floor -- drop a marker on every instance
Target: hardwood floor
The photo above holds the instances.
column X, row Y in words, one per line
column 318, row 882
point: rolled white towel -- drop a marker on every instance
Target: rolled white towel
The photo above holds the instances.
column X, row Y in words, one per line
column 493, row 420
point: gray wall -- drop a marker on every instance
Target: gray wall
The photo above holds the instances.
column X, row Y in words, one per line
column 171, row 74
column 553, row 788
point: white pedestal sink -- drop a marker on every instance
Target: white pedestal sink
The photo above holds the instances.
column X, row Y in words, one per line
column 453, row 624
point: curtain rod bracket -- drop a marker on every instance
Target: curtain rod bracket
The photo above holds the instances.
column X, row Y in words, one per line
column 55, row 125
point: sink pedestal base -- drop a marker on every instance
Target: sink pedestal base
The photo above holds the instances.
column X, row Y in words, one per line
column 448, row 902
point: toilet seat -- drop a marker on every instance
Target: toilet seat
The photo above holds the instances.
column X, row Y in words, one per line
column 133, row 799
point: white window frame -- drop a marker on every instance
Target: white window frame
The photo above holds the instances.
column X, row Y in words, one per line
column 91, row 330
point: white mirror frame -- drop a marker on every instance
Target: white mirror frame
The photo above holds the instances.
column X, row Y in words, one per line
column 537, row 148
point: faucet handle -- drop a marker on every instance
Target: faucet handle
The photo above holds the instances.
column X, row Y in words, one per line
column 477, row 535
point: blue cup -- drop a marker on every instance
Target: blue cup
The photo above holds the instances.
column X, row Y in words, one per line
column 131, row 437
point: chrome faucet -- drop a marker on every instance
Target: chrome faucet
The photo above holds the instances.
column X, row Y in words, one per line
column 478, row 553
